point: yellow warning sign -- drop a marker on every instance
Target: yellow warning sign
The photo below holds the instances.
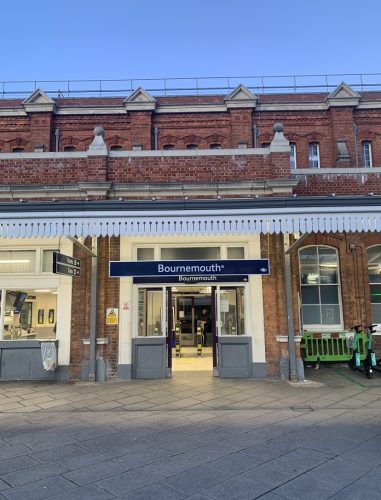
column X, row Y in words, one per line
column 112, row 315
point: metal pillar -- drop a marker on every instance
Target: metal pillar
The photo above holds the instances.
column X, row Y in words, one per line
column 289, row 307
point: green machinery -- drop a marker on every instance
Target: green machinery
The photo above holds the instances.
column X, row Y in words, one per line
column 332, row 347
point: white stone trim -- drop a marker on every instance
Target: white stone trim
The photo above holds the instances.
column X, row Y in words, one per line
column 336, row 171
column 143, row 154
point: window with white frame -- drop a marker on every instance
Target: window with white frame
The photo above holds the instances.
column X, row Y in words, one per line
column 293, row 155
column 26, row 261
column 374, row 277
column 313, row 155
column 366, row 154
column 190, row 252
column 320, row 294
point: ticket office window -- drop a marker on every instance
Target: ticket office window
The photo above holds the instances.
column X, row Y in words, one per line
column 28, row 314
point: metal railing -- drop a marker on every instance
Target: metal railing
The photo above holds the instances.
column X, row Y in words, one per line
column 191, row 86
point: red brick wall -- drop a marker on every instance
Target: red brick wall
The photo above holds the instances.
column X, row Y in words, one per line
column 108, row 296
column 340, row 184
column 80, row 317
column 227, row 127
column 274, row 307
column 145, row 169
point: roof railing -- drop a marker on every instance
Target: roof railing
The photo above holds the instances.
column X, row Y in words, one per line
column 191, row 86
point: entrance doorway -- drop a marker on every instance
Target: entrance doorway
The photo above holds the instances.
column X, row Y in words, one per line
column 190, row 328
column 193, row 328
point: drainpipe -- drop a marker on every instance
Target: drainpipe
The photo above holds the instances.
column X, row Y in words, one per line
column 255, row 136
column 355, row 129
column 156, row 138
column 289, row 308
column 57, row 134
column 93, row 312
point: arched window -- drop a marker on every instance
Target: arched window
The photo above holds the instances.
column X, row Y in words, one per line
column 69, row 149
column 192, row 146
column 215, row 145
column 313, row 155
column 116, row 148
column 168, row 147
column 319, row 287
column 366, row 154
column 18, row 150
column 374, row 276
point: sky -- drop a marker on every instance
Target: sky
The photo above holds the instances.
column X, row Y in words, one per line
column 123, row 39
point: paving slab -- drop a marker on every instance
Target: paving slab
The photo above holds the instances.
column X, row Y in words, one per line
column 192, row 436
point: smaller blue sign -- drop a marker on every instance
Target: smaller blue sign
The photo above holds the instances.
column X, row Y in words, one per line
column 189, row 268
column 190, row 280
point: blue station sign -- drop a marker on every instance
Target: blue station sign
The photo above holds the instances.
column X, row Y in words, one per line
column 183, row 269
column 193, row 280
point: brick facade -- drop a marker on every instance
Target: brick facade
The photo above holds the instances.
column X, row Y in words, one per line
column 76, row 172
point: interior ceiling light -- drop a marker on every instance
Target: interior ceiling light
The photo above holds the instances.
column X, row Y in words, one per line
column 43, row 290
column 14, row 261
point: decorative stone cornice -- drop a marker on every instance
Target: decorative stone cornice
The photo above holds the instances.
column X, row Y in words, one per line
column 343, row 95
column 140, row 100
column 39, row 102
column 241, row 97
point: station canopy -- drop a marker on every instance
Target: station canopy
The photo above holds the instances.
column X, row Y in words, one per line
column 169, row 218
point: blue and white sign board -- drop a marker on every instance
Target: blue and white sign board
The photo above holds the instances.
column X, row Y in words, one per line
column 196, row 279
column 186, row 271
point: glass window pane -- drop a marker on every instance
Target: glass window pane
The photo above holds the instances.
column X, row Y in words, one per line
column 330, row 315
column 293, row 156
column 149, row 312
column 311, row 315
column 308, row 256
column 310, row 277
column 47, row 261
column 154, row 306
column 18, row 261
column 145, row 254
column 236, row 253
column 30, row 314
column 374, row 274
column 190, row 253
column 328, row 275
column 310, row 294
column 376, row 313
column 375, row 294
column 329, row 294
column 228, row 312
column 327, row 256
column 374, row 264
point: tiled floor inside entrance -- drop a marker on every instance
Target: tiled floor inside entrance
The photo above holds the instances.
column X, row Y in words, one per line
column 189, row 361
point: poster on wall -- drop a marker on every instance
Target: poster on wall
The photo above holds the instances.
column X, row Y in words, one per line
column 51, row 316
column 112, row 316
column 40, row 317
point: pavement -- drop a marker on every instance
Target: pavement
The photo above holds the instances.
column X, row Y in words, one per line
column 193, row 436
